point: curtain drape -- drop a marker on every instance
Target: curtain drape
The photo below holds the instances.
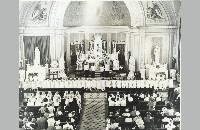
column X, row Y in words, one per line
column 42, row 42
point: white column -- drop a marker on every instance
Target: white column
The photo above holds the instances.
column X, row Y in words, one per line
column 170, row 50
column 136, row 50
column 87, row 39
column 109, row 42
column 52, row 47
column 142, row 48
column 177, row 41
column 21, row 50
column 68, row 51
column 127, row 46
column 62, row 45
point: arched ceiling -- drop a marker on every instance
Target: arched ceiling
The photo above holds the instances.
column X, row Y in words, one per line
column 94, row 13
column 120, row 13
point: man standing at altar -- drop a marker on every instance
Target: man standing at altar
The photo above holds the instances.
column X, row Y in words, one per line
column 86, row 69
column 93, row 71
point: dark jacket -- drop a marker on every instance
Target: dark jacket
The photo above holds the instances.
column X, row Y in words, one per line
column 42, row 123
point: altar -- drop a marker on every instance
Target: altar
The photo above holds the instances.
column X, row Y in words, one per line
column 155, row 71
column 39, row 71
column 97, row 56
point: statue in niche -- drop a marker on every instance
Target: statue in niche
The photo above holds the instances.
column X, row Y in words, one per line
column 154, row 12
column 131, row 67
column 37, row 56
column 61, row 66
column 40, row 12
column 157, row 55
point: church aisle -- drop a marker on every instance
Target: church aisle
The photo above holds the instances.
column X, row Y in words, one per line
column 94, row 112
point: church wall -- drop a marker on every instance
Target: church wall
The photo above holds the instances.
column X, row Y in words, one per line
column 140, row 42
column 143, row 42
column 156, row 40
column 141, row 35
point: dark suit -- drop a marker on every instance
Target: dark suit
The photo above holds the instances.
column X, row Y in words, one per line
column 42, row 123
column 133, row 113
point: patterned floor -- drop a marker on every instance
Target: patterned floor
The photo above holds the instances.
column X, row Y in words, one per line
column 94, row 112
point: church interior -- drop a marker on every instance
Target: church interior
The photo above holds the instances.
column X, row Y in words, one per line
column 99, row 65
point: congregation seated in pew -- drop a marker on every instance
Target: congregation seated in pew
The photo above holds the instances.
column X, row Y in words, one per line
column 54, row 107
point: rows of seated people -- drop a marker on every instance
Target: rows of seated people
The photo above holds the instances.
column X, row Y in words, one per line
column 123, row 114
column 128, row 98
column 99, row 84
column 63, row 107
column 29, row 122
column 175, row 98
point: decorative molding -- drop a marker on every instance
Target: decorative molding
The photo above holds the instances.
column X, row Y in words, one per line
column 58, row 8
column 155, row 13
column 24, row 11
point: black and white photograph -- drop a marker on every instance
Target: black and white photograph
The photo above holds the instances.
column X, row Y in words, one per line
column 99, row 65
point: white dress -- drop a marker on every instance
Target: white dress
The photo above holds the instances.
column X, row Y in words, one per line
column 79, row 83
column 142, row 83
column 52, row 84
column 66, row 84
column 30, row 102
column 83, row 83
column 57, row 85
column 119, row 83
column 108, row 83
column 38, row 102
column 69, row 84
column 147, row 84
column 117, row 103
column 138, row 84
column 75, row 84
column 134, row 83
column 62, row 84
column 125, row 84
column 123, row 102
